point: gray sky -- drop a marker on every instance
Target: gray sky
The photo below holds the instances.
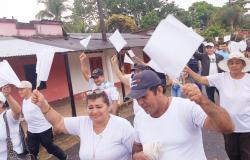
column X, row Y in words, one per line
column 25, row 10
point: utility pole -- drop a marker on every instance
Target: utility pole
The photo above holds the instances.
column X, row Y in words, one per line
column 101, row 19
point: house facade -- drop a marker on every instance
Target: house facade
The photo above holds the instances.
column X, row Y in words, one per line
column 50, row 34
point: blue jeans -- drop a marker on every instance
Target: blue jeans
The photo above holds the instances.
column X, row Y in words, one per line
column 176, row 90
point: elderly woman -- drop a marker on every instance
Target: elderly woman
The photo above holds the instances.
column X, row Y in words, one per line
column 102, row 136
column 12, row 111
column 234, row 89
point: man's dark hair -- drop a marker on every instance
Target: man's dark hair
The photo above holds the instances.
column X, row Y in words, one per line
column 154, row 89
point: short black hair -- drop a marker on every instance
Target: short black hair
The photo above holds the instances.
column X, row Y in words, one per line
column 154, row 88
column 102, row 94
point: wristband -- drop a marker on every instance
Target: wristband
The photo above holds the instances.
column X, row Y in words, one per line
column 47, row 111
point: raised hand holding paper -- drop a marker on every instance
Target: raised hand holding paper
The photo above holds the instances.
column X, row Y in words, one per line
column 128, row 60
column 155, row 66
column 117, row 40
column 172, row 45
column 44, row 62
column 85, row 41
column 227, row 38
column 131, row 53
column 7, row 75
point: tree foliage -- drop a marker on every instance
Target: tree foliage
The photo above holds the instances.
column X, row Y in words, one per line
column 202, row 13
column 124, row 23
column 150, row 19
column 213, row 31
column 75, row 26
column 53, row 9
column 232, row 15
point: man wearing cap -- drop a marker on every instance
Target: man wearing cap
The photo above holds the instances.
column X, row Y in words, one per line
column 39, row 129
column 209, row 65
column 97, row 81
column 171, row 129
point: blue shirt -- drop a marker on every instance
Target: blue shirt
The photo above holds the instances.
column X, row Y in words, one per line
column 223, row 53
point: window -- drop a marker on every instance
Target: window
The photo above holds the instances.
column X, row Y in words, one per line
column 30, row 74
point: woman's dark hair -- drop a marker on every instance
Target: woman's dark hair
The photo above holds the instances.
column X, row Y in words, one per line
column 98, row 94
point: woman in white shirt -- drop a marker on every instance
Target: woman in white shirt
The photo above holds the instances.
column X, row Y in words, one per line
column 13, row 110
column 234, row 89
column 102, row 136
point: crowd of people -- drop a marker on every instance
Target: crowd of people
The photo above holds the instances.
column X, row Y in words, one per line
column 164, row 127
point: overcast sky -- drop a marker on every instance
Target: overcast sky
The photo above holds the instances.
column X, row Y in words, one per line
column 25, row 10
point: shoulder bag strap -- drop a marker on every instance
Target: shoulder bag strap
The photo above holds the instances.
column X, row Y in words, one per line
column 8, row 139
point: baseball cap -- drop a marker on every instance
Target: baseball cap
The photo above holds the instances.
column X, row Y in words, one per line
column 2, row 98
column 141, row 82
column 96, row 73
column 25, row 84
column 139, row 67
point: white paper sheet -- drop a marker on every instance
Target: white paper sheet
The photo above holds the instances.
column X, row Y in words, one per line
column 155, row 66
column 85, row 41
column 117, row 40
column 216, row 39
column 172, row 45
column 7, row 75
column 227, row 38
column 43, row 66
column 131, row 53
column 127, row 59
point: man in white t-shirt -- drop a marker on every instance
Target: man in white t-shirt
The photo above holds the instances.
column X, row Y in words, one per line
column 97, row 81
column 209, row 62
column 39, row 129
column 171, row 129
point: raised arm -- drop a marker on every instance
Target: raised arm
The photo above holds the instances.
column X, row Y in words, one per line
column 118, row 72
column 200, row 79
column 54, row 118
column 13, row 104
column 138, row 60
column 85, row 71
column 218, row 118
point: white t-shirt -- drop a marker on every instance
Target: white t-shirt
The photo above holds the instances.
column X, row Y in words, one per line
column 237, row 46
column 36, row 121
column 114, row 143
column 14, row 135
column 178, row 131
column 108, row 87
column 234, row 97
column 213, row 67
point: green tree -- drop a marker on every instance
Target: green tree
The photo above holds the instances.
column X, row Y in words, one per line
column 85, row 10
column 202, row 13
column 124, row 23
column 116, row 6
column 53, row 9
column 75, row 26
column 150, row 19
column 245, row 22
column 213, row 31
column 230, row 15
